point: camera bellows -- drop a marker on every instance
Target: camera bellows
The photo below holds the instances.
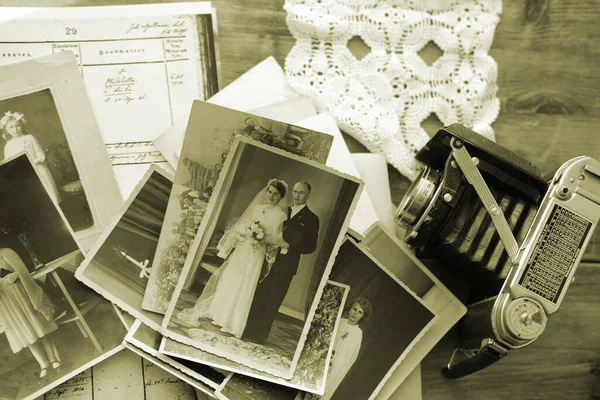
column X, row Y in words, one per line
column 469, row 238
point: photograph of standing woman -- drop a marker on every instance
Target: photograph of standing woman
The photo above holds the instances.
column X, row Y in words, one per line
column 26, row 312
column 381, row 323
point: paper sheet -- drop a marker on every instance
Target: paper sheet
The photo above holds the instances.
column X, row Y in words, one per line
column 264, row 85
column 142, row 65
column 123, row 376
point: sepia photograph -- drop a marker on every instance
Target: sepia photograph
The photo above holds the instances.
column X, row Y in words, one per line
column 241, row 387
column 51, row 325
column 382, row 321
column 148, row 340
column 270, row 236
column 401, row 261
column 118, row 266
column 45, row 112
column 30, row 123
column 210, row 133
column 312, row 364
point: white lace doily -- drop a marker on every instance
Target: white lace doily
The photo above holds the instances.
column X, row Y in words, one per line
column 382, row 99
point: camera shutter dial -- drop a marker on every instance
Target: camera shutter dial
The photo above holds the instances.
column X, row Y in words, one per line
column 525, row 319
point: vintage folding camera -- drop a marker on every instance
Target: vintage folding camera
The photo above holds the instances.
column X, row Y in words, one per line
column 482, row 217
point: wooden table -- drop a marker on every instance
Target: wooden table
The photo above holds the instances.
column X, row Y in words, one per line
column 549, row 88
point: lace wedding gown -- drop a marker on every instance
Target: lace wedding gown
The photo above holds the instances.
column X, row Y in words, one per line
column 228, row 295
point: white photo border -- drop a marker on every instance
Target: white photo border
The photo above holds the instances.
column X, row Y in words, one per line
column 180, row 371
column 163, row 349
column 418, row 337
column 439, row 299
column 142, row 315
column 60, row 74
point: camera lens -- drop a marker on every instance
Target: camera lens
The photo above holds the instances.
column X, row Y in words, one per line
column 417, row 198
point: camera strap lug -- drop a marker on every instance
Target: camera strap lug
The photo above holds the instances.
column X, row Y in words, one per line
column 478, row 359
column 471, row 172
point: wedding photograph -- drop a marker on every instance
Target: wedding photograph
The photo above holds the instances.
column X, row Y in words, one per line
column 270, row 234
column 45, row 112
column 118, row 266
column 311, row 370
column 210, row 133
column 148, row 340
column 382, row 321
column 51, row 325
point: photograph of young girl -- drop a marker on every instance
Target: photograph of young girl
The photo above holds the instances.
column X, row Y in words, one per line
column 270, row 234
column 51, row 325
column 30, row 123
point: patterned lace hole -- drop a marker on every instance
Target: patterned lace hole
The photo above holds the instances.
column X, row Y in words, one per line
column 430, row 52
column 358, row 47
column 432, row 124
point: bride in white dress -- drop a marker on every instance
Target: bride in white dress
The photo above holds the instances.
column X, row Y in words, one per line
column 227, row 297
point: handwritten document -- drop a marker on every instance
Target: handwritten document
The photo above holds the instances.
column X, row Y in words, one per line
column 123, row 376
column 142, row 65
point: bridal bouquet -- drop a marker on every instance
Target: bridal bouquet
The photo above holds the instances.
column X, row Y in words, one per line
column 254, row 232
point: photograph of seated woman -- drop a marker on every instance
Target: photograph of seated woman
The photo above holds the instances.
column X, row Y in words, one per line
column 26, row 312
column 13, row 127
column 249, row 249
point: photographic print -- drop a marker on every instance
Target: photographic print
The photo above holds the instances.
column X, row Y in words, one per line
column 382, row 322
column 312, row 364
column 270, row 242
column 142, row 66
column 401, row 261
column 148, row 340
column 45, row 112
column 118, row 266
column 210, row 133
column 52, row 327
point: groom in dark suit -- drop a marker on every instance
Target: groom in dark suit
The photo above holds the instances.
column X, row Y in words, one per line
column 300, row 231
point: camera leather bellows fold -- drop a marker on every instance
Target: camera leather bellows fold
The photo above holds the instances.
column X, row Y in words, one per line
column 488, row 198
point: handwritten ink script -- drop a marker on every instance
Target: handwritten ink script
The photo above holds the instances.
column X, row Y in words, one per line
column 142, row 72
column 78, row 387
column 124, row 375
column 122, row 88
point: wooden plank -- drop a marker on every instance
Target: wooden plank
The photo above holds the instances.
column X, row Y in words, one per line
column 556, row 366
column 544, row 25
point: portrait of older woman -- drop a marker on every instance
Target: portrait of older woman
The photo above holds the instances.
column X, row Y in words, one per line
column 26, row 312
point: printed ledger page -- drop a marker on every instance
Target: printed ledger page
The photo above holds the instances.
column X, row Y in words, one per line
column 142, row 65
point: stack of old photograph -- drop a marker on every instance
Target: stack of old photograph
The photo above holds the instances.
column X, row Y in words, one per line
column 160, row 238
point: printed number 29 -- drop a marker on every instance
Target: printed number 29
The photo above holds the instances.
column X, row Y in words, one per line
column 71, row 30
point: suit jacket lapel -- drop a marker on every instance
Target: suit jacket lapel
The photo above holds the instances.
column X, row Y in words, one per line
column 299, row 213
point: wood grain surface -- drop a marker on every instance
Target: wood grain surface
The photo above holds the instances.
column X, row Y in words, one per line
column 549, row 88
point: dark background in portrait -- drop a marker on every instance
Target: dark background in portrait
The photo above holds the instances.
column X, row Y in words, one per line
column 256, row 166
column 396, row 320
column 27, row 208
column 43, row 122
column 136, row 234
